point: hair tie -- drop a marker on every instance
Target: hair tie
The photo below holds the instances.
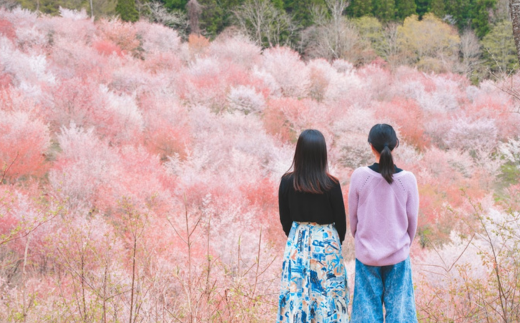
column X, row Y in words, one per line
column 386, row 145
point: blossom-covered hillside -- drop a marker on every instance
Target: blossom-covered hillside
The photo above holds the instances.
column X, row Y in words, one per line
column 139, row 173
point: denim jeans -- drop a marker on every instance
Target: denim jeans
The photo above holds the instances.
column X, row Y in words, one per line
column 390, row 286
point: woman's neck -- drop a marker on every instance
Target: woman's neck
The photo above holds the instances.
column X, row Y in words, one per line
column 376, row 154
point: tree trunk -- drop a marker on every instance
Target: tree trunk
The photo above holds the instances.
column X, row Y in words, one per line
column 194, row 10
column 91, row 9
column 514, row 6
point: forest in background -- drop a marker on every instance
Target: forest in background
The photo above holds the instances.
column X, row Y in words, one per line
column 139, row 171
column 470, row 37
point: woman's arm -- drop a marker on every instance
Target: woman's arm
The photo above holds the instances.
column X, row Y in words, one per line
column 338, row 208
column 283, row 206
column 412, row 208
column 353, row 198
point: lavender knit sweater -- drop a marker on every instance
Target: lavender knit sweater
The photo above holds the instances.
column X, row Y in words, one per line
column 383, row 217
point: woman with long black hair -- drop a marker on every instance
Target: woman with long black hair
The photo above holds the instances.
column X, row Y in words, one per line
column 383, row 204
column 314, row 279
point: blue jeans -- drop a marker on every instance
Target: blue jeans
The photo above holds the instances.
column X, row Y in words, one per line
column 389, row 285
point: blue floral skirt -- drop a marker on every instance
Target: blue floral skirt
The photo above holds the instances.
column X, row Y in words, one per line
column 314, row 279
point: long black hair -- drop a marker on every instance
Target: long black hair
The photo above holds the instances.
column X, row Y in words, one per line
column 310, row 168
column 384, row 139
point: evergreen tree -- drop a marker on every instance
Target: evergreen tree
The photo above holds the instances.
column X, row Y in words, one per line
column 384, row 10
column 127, row 11
column 176, row 4
column 52, row 7
column 405, row 8
column 422, row 7
column 372, row 30
column 499, row 50
column 480, row 15
column 438, row 8
column 300, row 10
column 360, row 8
column 278, row 4
column 460, row 11
column 216, row 15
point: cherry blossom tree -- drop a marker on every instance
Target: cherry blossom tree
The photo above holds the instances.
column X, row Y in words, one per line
column 24, row 143
column 140, row 171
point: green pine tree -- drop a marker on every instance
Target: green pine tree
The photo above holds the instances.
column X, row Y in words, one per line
column 438, row 8
column 52, row 7
column 480, row 16
column 127, row 11
column 460, row 11
column 216, row 15
column 372, row 30
column 384, row 10
column 212, row 17
column 360, row 8
column 278, row 4
column 176, row 4
column 422, row 7
column 405, row 8
column 301, row 10
column 499, row 50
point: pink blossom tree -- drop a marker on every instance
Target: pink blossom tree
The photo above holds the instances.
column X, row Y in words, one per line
column 23, row 143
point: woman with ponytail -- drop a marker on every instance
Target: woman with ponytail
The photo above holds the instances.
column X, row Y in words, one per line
column 383, row 205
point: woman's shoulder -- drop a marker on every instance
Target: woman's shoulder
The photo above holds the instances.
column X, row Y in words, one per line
column 361, row 172
column 405, row 174
column 408, row 176
column 360, row 177
column 407, row 180
column 287, row 177
column 286, row 181
column 334, row 183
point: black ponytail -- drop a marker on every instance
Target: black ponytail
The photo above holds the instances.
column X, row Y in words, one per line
column 384, row 139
